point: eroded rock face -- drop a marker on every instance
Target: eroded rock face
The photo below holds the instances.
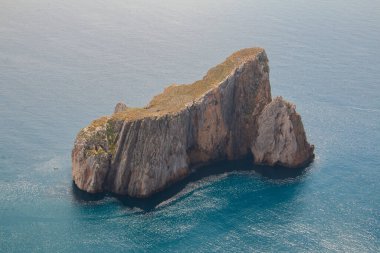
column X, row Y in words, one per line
column 281, row 137
column 139, row 151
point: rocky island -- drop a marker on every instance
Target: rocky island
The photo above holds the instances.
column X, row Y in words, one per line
column 225, row 116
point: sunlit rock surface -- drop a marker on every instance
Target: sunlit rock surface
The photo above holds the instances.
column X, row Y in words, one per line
column 281, row 137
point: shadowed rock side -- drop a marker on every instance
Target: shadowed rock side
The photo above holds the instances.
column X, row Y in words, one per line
column 139, row 151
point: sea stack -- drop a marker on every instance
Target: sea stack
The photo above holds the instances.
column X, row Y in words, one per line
column 225, row 116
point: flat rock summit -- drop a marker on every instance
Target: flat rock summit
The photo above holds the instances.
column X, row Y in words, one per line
column 227, row 115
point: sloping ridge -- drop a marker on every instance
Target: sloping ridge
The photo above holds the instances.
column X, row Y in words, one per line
column 175, row 97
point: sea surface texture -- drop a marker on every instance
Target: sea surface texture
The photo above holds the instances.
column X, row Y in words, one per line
column 65, row 63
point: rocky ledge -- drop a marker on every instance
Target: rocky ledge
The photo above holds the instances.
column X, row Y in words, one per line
column 225, row 116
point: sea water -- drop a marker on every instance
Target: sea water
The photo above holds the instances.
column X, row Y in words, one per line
column 65, row 63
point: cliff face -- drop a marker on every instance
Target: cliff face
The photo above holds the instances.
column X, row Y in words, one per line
column 281, row 137
column 138, row 151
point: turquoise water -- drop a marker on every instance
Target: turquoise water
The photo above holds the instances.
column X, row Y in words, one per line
column 65, row 63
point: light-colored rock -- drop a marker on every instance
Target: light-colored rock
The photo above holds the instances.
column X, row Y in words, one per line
column 139, row 151
column 120, row 107
column 281, row 137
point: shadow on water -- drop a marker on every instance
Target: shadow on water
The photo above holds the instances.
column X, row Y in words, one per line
column 80, row 195
column 149, row 204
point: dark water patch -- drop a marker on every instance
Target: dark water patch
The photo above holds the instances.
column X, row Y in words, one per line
column 280, row 172
column 83, row 196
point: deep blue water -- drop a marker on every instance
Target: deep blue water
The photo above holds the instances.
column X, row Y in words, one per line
column 65, row 63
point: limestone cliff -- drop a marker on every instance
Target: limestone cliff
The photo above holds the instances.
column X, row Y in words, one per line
column 226, row 115
column 281, row 137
